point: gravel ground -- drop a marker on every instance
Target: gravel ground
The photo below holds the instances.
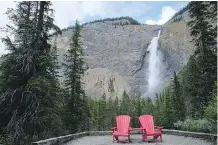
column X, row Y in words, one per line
column 136, row 140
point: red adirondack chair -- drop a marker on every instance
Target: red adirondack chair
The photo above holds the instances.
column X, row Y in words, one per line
column 148, row 128
column 123, row 128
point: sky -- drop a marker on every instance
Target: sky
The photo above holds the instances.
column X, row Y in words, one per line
column 66, row 12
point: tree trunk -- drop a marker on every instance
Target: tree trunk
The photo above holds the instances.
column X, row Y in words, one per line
column 40, row 23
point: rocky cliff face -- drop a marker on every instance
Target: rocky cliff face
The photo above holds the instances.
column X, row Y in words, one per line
column 117, row 56
column 175, row 45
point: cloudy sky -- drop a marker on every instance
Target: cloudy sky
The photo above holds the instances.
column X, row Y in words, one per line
column 156, row 12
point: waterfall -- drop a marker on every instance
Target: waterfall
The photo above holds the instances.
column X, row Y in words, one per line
column 154, row 68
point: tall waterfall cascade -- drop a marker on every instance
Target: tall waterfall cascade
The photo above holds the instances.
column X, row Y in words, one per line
column 154, row 68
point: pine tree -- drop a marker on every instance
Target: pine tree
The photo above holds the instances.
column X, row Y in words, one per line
column 169, row 118
column 190, row 82
column 159, row 110
column 177, row 98
column 211, row 110
column 143, row 107
column 204, row 38
column 91, row 112
column 94, row 115
column 73, row 67
column 117, row 105
column 133, row 113
column 102, row 113
column 124, row 105
column 55, row 62
column 28, row 80
column 85, row 115
column 110, row 114
column 149, row 106
column 137, row 111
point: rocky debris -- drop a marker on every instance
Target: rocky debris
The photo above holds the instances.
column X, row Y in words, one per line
column 98, row 80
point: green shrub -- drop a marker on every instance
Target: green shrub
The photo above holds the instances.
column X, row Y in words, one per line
column 210, row 111
column 201, row 125
column 5, row 139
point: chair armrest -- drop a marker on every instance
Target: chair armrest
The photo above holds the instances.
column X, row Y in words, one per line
column 130, row 129
column 113, row 129
column 141, row 128
column 159, row 128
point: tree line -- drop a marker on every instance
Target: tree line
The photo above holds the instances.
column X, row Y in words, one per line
column 130, row 21
column 170, row 109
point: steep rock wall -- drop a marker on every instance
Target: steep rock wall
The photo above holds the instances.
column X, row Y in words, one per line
column 119, row 54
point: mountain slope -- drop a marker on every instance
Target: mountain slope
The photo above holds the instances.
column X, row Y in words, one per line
column 117, row 57
column 175, row 43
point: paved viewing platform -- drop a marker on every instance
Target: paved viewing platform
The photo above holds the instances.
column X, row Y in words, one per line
column 170, row 137
column 136, row 140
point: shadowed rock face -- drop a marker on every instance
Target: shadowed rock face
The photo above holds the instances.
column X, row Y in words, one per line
column 176, row 46
column 117, row 56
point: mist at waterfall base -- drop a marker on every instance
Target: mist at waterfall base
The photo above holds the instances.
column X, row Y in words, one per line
column 155, row 69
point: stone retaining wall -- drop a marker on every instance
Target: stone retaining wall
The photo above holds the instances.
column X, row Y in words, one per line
column 206, row 136
column 61, row 139
column 99, row 133
column 64, row 139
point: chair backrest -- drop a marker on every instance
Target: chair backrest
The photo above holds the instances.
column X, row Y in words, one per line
column 147, row 122
column 123, row 123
